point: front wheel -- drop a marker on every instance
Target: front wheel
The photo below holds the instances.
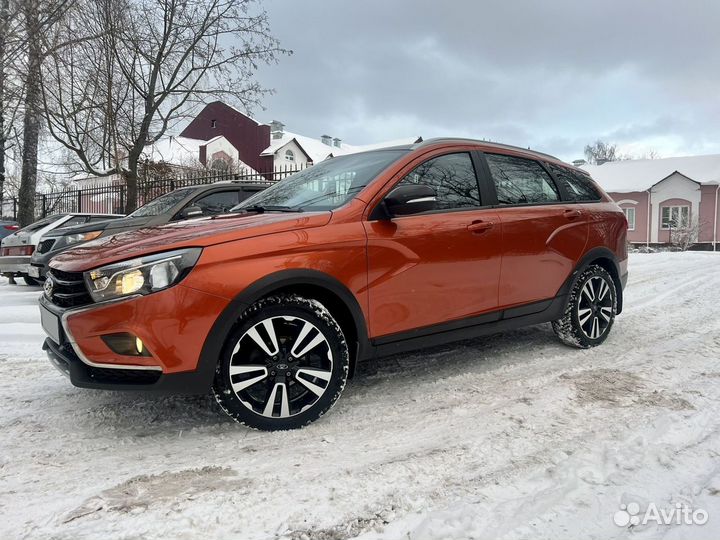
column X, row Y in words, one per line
column 591, row 309
column 283, row 366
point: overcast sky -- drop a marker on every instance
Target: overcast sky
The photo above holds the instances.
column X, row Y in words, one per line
column 552, row 75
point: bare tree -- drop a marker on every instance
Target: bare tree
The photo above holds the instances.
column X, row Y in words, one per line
column 151, row 64
column 684, row 236
column 38, row 17
column 600, row 152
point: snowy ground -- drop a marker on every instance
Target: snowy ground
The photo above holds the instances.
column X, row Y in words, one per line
column 509, row 436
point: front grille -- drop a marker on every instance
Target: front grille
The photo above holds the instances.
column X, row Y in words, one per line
column 45, row 245
column 69, row 289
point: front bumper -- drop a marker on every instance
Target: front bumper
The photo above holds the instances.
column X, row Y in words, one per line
column 173, row 324
column 14, row 264
column 64, row 358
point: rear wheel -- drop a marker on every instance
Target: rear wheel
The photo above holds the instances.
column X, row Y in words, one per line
column 284, row 365
column 591, row 309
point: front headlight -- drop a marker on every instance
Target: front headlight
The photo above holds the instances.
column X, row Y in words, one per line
column 143, row 275
column 81, row 237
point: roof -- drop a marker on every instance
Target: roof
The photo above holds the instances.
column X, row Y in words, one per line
column 318, row 151
column 642, row 174
column 490, row 144
column 175, row 150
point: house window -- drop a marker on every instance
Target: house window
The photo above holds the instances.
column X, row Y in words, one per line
column 630, row 216
column 213, row 123
column 675, row 217
column 289, row 155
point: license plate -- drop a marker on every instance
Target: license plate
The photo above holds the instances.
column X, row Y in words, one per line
column 51, row 324
column 34, row 271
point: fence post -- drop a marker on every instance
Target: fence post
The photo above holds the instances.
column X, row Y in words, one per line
column 15, row 208
column 44, row 205
column 122, row 199
column 79, row 200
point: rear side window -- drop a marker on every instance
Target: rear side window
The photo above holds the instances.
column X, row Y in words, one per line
column 579, row 187
column 452, row 176
column 217, row 203
column 521, row 181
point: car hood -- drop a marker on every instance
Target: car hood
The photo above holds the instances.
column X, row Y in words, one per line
column 201, row 232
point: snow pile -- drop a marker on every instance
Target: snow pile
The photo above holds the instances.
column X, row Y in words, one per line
column 507, row 436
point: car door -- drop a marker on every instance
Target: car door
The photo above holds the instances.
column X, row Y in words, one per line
column 543, row 236
column 437, row 266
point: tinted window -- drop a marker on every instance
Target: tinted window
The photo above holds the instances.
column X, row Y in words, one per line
column 162, row 204
column 217, row 203
column 95, row 219
column 246, row 194
column 452, row 177
column 521, row 181
column 578, row 186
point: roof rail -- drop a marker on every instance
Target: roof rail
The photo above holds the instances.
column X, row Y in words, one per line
column 487, row 143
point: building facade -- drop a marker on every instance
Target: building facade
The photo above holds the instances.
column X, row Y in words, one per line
column 666, row 199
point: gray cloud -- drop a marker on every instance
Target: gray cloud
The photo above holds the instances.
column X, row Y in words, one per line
column 552, row 75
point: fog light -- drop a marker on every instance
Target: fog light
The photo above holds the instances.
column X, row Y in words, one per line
column 126, row 344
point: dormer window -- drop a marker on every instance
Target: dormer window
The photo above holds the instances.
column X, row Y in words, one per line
column 213, row 124
column 289, row 155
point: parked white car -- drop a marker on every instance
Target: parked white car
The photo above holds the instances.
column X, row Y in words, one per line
column 17, row 248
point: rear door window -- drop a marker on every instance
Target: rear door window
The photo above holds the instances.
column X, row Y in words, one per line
column 521, row 181
column 452, row 176
column 578, row 186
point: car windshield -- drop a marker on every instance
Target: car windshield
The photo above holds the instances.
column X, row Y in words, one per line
column 325, row 186
column 161, row 204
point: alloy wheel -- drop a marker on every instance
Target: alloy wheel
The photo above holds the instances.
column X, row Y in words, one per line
column 595, row 307
column 281, row 366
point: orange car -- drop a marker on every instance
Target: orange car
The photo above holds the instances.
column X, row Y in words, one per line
column 272, row 305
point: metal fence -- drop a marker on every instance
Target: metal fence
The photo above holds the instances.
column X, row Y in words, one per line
column 110, row 197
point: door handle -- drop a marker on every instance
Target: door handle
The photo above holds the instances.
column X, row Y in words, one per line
column 572, row 214
column 480, row 226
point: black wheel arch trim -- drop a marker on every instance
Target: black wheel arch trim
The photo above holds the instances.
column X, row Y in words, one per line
column 284, row 279
column 592, row 256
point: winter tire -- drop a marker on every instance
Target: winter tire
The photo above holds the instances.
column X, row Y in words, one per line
column 590, row 311
column 284, row 364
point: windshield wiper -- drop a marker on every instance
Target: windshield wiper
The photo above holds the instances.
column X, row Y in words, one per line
column 268, row 208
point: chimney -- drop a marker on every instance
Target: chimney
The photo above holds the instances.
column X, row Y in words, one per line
column 601, row 161
column 276, row 129
column 337, row 142
column 579, row 162
column 326, row 139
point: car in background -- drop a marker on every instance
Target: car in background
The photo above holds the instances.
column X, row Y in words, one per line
column 17, row 248
column 177, row 205
column 8, row 227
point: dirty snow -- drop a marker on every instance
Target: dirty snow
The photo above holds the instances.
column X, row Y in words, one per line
column 508, row 436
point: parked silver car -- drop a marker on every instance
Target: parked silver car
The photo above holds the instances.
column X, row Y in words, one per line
column 17, row 248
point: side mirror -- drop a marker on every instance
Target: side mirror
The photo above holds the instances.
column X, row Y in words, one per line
column 191, row 211
column 410, row 199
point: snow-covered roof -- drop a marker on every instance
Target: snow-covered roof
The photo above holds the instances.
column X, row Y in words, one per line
column 175, row 150
column 642, row 174
column 318, row 151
